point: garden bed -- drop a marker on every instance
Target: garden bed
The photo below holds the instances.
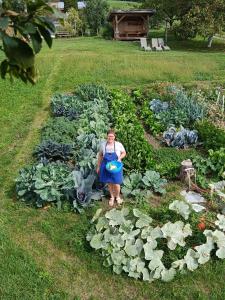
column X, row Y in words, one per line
column 64, row 172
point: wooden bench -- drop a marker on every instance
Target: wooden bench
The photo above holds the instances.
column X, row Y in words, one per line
column 63, row 34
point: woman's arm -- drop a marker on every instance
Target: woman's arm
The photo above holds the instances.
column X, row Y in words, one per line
column 122, row 155
column 100, row 157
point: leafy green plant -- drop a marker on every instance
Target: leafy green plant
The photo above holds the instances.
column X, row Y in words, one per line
column 168, row 160
column 131, row 133
column 42, row 184
column 83, row 192
column 151, row 123
column 212, row 165
column 22, row 33
column 131, row 242
column 69, row 106
column 60, row 130
column 210, row 135
column 89, row 92
column 49, row 151
column 141, row 186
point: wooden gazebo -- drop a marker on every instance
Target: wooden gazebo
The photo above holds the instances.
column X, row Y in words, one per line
column 130, row 24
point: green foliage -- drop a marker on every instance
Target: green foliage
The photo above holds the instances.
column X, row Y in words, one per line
column 73, row 23
column 212, row 165
column 151, row 122
column 91, row 92
column 42, row 184
column 131, row 133
column 69, row 106
column 60, row 130
column 131, row 242
column 212, row 136
column 140, row 186
column 20, row 29
column 49, row 151
column 168, row 160
column 96, row 12
column 107, row 31
column 183, row 110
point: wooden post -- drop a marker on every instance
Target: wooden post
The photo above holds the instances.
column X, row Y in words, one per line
column 116, row 34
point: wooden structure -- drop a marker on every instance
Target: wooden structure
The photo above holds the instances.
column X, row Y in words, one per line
column 130, row 24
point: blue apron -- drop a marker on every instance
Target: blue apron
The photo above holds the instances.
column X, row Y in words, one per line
column 105, row 176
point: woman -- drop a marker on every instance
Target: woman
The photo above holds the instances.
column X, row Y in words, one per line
column 111, row 150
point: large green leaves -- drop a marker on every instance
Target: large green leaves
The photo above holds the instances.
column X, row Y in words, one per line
column 141, row 252
column 22, row 33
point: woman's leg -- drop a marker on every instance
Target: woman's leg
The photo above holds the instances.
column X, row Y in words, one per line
column 116, row 188
column 111, row 190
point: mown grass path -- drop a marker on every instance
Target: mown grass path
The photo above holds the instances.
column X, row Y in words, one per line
column 43, row 254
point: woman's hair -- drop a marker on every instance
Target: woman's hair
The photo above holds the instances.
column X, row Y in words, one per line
column 111, row 131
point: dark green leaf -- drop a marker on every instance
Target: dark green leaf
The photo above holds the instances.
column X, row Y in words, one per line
column 18, row 52
column 4, row 68
column 36, row 41
column 46, row 35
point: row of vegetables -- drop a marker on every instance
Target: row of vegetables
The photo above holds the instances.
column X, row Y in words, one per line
column 129, row 240
column 66, row 158
column 181, row 121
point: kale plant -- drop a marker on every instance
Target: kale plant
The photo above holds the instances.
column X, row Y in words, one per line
column 60, row 130
column 50, row 151
column 89, row 92
column 69, row 106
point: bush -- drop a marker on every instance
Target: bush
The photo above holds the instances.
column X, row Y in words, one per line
column 107, row 31
column 211, row 136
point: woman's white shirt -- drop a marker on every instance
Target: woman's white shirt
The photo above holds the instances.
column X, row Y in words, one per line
column 119, row 148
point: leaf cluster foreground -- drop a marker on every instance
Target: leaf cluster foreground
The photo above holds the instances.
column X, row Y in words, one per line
column 132, row 242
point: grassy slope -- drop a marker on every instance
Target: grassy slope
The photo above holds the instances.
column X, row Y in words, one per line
column 49, row 245
column 123, row 4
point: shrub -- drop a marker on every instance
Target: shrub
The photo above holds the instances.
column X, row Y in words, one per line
column 107, row 31
column 211, row 136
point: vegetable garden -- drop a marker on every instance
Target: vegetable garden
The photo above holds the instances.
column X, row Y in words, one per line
column 143, row 241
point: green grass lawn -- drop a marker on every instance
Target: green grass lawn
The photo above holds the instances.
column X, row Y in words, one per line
column 123, row 4
column 43, row 254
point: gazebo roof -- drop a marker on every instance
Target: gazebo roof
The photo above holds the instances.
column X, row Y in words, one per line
column 135, row 12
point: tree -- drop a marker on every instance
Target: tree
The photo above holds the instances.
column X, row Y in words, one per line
column 206, row 18
column 73, row 23
column 70, row 4
column 96, row 12
column 23, row 24
column 168, row 10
